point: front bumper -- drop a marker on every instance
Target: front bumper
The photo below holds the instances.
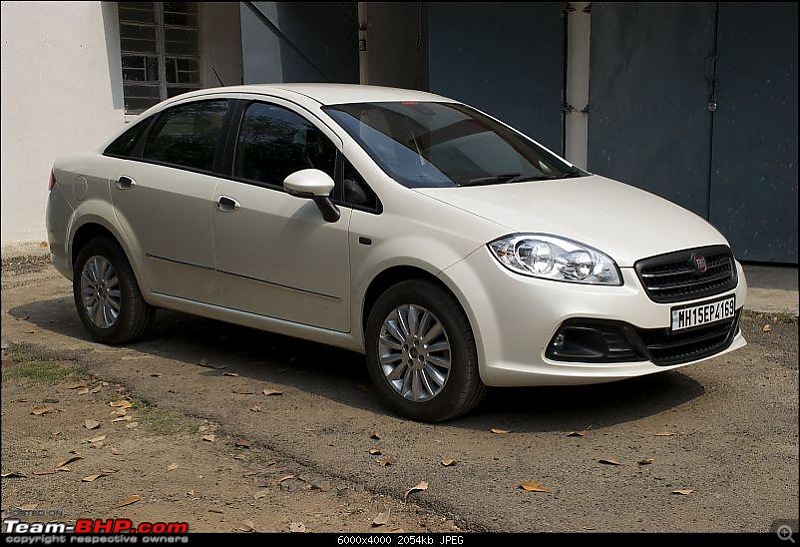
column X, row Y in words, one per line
column 515, row 317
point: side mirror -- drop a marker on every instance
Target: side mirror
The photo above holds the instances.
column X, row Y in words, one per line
column 315, row 185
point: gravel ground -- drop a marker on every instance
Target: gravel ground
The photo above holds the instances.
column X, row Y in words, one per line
column 723, row 432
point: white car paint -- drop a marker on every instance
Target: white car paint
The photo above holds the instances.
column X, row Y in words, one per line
column 443, row 231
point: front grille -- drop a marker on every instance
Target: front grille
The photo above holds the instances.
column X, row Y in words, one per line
column 665, row 347
column 674, row 277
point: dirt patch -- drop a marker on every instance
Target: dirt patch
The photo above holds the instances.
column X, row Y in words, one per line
column 183, row 468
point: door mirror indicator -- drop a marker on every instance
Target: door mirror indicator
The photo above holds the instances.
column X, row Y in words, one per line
column 315, row 185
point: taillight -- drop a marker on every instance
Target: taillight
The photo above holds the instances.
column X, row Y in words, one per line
column 52, row 182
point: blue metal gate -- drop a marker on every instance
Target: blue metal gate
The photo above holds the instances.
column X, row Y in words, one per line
column 698, row 103
column 505, row 58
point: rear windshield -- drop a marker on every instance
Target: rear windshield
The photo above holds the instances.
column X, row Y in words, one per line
column 432, row 144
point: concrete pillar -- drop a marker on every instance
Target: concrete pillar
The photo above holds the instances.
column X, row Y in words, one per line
column 577, row 95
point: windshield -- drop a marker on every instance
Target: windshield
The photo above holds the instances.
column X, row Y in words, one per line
column 429, row 144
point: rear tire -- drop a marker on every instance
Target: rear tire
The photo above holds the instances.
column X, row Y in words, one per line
column 398, row 348
column 106, row 294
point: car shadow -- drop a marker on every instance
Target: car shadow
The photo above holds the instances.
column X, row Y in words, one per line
column 341, row 375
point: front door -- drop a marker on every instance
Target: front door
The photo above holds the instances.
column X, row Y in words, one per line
column 275, row 254
column 164, row 199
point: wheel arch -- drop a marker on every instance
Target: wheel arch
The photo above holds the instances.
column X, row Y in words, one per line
column 92, row 227
column 395, row 274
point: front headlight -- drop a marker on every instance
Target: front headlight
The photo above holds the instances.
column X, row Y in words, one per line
column 550, row 257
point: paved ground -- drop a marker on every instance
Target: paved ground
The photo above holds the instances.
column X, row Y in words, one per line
column 726, row 430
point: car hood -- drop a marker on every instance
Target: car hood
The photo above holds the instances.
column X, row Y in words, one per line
column 622, row 221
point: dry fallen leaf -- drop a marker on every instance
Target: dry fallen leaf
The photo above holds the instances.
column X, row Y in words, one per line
column 68, row 461
column 229, row 374
column 500, row 431
column 665, row 434
column 96, row 439
column 421, row 487
column 98, row 389
column 121, row 403
column 297, row 527
column 576, row 434
column 533, row 486
column 382, row 518
column 242, row 391
column 269, row 392
column 447, row 462
column 375, row 435
column 242, row 443
column 375, row 451
column 92, row 478
column 108, row 471
column 646, row 461
column 41, row 410
column 609, row 461
column 172, row 467
column 74, row 385
column 214, row 510
column 210, row 437
column 260, row 494
column 116, row 451
column 156, row 375
column 255, row 408
column 119, row 412
column 285, row 478
column 683, row 492
column 190, row 493
column 83, row 391
column 15, row 475
column 64, row 468
column 767, row 328
column 123, row 419
column 240, row 457
column 91, row 424
column 386, row 460
column 28, row 506
column 130, row 500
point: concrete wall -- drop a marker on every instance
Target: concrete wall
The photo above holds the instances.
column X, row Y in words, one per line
column 221, row 38
column 60, row 71
column 325, row 33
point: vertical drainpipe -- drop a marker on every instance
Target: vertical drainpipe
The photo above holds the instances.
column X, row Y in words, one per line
column 576, row 107
column 363, row 71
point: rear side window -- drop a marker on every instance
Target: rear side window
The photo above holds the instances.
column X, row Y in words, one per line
column 274, row 142
column 124, row 145
column 188, row 135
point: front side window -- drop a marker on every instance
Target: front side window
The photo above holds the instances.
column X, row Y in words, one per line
column 187, row 135
column 429, row 144
column 274, row 142
column 160, row 51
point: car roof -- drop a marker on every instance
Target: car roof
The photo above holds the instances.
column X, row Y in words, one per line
column 328, row 93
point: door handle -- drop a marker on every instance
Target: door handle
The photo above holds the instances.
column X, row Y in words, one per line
column 227, row 205
column 125, row 183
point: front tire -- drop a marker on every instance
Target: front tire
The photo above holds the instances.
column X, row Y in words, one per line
column 106, row 294
column 421, row 353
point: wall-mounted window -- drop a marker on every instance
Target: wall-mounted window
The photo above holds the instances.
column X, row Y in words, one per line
column 160, row 45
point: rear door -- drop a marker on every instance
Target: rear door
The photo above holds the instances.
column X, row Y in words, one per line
column 163, row 198
column 275, row 254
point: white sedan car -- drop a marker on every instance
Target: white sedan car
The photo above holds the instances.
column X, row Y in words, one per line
column 454, row 251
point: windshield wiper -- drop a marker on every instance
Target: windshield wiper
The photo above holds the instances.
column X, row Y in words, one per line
column 574, row 172
column 494, row 179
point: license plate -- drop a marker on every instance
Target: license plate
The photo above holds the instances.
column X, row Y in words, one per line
column 686, row 317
